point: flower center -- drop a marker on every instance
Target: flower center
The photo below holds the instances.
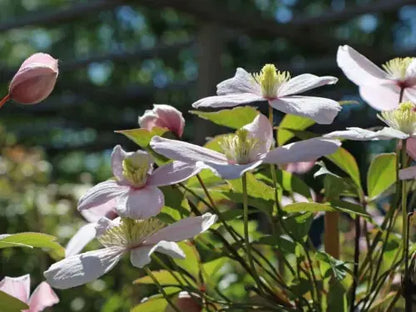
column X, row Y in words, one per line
column 270, row 79
column 130, row 233
column 136, row 168
column 239, row 147
column 403, row 118
column 397, row 67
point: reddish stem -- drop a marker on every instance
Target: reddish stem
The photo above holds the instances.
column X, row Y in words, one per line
column 4, row 100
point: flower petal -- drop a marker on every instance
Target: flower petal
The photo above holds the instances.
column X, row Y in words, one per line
column 304, row 83
column 83, row 268
column 302, row 151
column 100, row 195
column 104, row 224
column 242, row 82
column 141, row 256
column 183, row 229
column 261, row 129
column 140, row 203
column 117, row 157
column 173, row 173
column 299, row 167
column 18, row 287
column 411, row 147
column 358, row 134
column 42, row 297
column 229, row 100
column 358, row 68
column 171, row 118
column 382, row 96
column 81, row 239
column 107, row 209
column 322, row 110
column 408, row 173
column 232, row 171
column 184, row 151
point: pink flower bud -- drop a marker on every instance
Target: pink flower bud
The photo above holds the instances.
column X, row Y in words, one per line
column 163, row 116
column 299, row 167
column 34, row 80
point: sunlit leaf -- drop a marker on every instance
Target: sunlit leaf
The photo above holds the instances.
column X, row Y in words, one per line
column 293, row 122
column 151, row 305
column 381, row 174
column 192, row 260
column 11, row 304
column 345, row 161
column 163, row 276
column 142, row 136
column 234, row 118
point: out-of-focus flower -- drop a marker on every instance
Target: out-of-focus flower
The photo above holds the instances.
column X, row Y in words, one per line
column 19, row 287
column 134, row 193
column 379, row 88
column 139, row 237
column 299, row 167
column 187, row 302
column 279, row 89
column 34, row 80
column 163, row 116
column 245, row 150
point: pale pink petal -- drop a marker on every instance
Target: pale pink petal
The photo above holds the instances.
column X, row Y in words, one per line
column 117, row 157
column 229, row 100
column 322, row 110
column 358, row 134
column 411, row 73
column 411, row 147
column 173, row 172
column 242, row 82
column 83, row 268
column 232, row 171
column 410, row 94
column 408, row 173
column 42, row 297
column 303, row 83
column 382, row 96
column 183, row 229
column 149, row 120
column 107, row 209
column 81, row 239
column 299, row 167
column 104, row 224
column 140, row 203
column 141, row 256
column 99, row 195
column 40, row 58
column 261, row 129
column 358, row 68
column 171, row 118
column 302, row 151
column 184, row 151
column 18, row 287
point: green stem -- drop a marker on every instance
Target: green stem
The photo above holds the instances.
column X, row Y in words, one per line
column 162, row 291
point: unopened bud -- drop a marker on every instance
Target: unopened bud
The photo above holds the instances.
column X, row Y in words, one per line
column 163, row 116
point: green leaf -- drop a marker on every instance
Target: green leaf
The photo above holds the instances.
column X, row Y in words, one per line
column 151, row 305
column 142, row 136
column 348, row 207
column 191, row 261
column 381, row 174
column 11, row 304
column 163, row 276
column 337, row 298
column 299, row 225
column 290, row 182
column 345, row 161
column 331, row 266
column 31, row 240
column 292, row 122
column 233, row 118
column 307, row 207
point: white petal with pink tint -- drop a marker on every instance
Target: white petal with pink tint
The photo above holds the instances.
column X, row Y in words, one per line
column 171, row 118
column 183, row 229
column 117, row 157
column 411, row 147
column 173, row 173
column 83, row 268
column 299, row 167
column 99, row 195
column 302, row 151
column 141, row 256
column 229, row 100
column 242, row 82
column 18, row 287
column 322, row 110
column 42, row 298
column 81, row 239
column 358, row 134
column 108, row 209
column 303, row 83
column 140, row 203
column 381, row 97
column 408, row 173
column 232, row 171
column 261, row 129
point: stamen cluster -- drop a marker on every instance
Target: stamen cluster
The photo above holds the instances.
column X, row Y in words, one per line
column 136, row 168
column 403, row 118
column 397, row 67
column 270, row 79
column 239, row 147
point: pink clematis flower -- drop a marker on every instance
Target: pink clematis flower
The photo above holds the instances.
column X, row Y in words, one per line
column 34, row 80
column 379, row 88
column 140, row 238
column 163, row 116
column 245, row 150
column 134, row 193
column 279, row 89
column 19, row 287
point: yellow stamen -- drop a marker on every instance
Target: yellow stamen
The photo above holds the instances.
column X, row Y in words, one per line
column 403, row 118
column 270, row 79
column 239, row 148
column 396, row 68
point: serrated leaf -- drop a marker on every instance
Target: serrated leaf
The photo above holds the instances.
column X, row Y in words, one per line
column 292, row 122
column 234, row 118
column 346, row 162
column 31, row 240
column 381, row 174
column 11, row 304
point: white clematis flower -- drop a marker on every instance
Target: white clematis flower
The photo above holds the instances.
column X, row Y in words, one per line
column 279, row 89
column 139, row 237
